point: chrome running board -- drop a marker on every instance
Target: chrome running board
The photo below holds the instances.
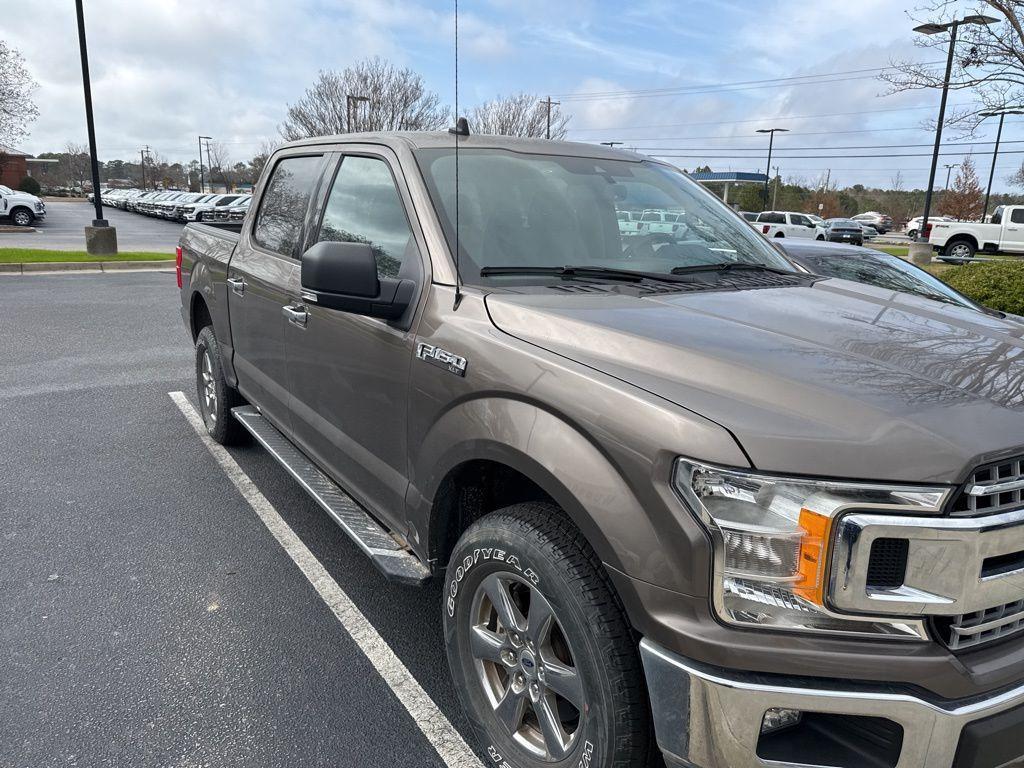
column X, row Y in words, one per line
column 391, row 557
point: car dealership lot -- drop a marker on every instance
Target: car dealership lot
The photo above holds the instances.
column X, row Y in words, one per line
column 65, row 223
column 148, row 615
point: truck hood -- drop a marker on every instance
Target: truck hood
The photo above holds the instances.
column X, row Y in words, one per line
column 836, row 378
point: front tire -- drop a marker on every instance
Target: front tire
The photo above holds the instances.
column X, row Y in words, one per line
column 960, row 250
column 22, row 217
column 542, row 655
column 216, row 397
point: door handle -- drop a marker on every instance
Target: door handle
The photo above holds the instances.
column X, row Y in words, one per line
column 237, row 285
column 296, row 315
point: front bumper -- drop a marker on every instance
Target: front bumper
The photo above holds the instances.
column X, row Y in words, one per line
column 706, row 718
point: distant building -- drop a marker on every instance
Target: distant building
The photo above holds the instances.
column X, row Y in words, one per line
column 15, row 165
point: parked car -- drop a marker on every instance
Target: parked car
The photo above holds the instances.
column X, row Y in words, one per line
column 629, row 223
column 880, row 221
column 844, row 231
column 198, row 211
column 958, row 241
column 788, row 224
column 682, row 494
column 870, row 233
column 914, row 225
column 235, row 212
column 866, row 265
column 21, row 208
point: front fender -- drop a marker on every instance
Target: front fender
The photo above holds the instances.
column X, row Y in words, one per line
column 663, row 546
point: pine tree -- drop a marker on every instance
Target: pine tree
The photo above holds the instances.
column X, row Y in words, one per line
column 964, row 201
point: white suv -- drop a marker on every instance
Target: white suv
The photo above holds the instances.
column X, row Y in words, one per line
column 20, row 207
column 197, row 211
column 788, row 224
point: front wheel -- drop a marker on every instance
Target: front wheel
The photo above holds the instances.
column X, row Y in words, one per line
column 216, row 397
column 22, row 217
column 543, row 658
column 820, row 237
column 912, row 234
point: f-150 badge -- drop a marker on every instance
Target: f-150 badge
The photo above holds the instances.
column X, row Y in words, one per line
column 441, row 358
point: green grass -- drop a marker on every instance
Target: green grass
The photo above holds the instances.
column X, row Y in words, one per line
column 38, row 255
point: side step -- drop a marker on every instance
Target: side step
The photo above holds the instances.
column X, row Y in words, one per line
column 395, row 562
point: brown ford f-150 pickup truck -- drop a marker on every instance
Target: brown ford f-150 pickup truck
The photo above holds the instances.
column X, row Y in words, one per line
column 684, row 498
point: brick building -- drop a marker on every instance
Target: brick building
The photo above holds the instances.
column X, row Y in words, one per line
column 13, row 166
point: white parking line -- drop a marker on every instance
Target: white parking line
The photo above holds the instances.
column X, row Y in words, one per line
column 431, row 721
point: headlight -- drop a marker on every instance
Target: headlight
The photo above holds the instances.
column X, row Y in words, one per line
column 772, row 537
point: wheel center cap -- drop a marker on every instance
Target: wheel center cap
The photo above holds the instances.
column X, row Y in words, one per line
column 528, row 662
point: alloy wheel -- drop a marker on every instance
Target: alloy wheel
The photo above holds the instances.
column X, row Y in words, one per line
column 525, row 665
column 960, row 251
column 208, row 389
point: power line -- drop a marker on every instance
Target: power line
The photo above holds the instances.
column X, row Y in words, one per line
column 817, row 157
column 834, row 147
column 703, row 87
column 757, row 119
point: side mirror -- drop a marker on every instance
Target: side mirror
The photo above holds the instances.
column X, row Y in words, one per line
column 343, row 276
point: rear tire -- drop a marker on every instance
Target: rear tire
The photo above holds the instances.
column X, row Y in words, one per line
column 779, row 234
column 820, row 237
column 960, row 250
column 216, row 397
column 912, row 234
column 558, row 682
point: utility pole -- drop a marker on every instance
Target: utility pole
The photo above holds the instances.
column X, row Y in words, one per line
column 768, row 166
column 202, row 180
column 143, row 153
column 100, row 238
column 549, row 103
column 995, row 152
column 775, row 194
column 352, row 105
column 209, row 162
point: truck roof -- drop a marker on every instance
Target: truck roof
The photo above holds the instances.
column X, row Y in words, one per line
column 442, row 139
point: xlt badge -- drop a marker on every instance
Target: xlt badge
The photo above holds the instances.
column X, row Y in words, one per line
column 441, row 358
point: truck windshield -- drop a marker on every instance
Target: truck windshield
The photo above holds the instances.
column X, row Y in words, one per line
column 531, row 210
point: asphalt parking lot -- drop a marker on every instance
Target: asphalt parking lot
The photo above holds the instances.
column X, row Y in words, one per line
column 65, row 222
column 148, row 616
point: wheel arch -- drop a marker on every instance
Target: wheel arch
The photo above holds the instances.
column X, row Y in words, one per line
column 198, row 314
column 21, row 207
column 962, row 236
column 491, row 452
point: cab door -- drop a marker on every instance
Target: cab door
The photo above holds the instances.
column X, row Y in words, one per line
column 1013, row 231
column 262, row 275
column 348, row 373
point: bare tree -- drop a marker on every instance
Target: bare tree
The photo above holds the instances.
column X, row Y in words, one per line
column 17, row 109
column 74, row 165
column 259, row 160
column 220, row 160
column 521, row 114
column 395, row 100
column 988, row 60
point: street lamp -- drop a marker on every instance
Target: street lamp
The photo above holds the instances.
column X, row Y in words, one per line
column 934, row 29
column 771, row 140
column 949, row 171
column 100, row 238
column 202, row 180
column 611, row 143
column 352, row 104
column 995, row 152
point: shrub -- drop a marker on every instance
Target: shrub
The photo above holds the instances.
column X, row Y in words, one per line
column 30, row 185
column 996, row 284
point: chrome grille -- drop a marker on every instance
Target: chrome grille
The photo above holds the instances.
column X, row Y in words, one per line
column 994, row 488
column 970, row 629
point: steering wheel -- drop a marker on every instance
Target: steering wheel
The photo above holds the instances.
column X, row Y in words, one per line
column 642, row 246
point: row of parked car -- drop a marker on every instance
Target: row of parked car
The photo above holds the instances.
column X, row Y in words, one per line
column 808, row 226
column 179, row 206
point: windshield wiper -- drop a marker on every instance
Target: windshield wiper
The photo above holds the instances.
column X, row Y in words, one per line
column 727, row 266
column 608, row 273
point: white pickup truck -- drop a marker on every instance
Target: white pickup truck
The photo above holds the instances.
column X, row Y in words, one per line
column 788, row 224
column 20, row 208
column 960, row 240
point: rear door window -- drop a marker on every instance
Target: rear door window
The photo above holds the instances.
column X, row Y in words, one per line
column 284, row 204
column 1017, row 216
column 772, row 218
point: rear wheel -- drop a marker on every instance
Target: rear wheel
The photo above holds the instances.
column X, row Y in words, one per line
column 820, row 237
column 543, row 658
column 780, row 234
column 960, row 250
column 216, row 397
column 912, row 234
column 22, row 217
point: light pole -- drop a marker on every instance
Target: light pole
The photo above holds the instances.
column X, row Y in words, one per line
column 352, row 104
column 202, row 180
column 995, row 152
column 949, row 170
column 100, row 238
column 934, row 29
column 771, row 140
column 611, row 143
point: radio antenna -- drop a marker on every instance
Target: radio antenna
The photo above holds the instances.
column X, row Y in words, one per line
column 461, row 129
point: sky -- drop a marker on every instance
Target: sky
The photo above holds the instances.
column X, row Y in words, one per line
column 164, row 71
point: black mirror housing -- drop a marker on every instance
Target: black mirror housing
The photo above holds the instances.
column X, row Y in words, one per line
column 343, row 277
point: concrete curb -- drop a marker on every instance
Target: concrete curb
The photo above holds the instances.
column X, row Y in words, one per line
column 10, row 229
column 91, row 267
